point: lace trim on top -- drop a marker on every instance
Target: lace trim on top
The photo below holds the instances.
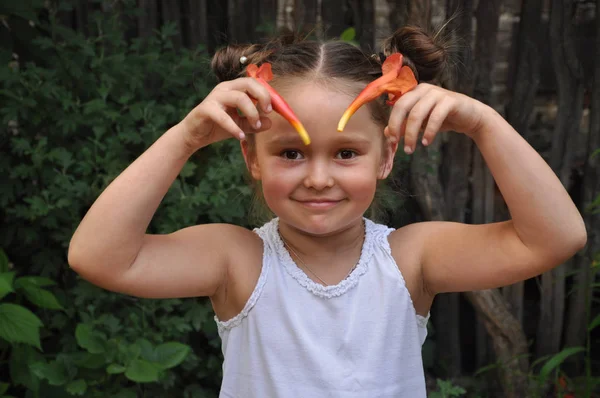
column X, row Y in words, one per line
column 266, row 265
column 312, row 286
column 385, row 243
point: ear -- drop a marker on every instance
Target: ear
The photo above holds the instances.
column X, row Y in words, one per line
column 249, row 153
column 387, row 159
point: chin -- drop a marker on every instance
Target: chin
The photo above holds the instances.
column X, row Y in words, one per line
column 319, row 224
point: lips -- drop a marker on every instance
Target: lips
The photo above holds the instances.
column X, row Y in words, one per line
column 319, row 203
column 320, row 200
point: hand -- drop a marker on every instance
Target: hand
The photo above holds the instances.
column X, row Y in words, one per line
column 432, row 109
column 217, row 118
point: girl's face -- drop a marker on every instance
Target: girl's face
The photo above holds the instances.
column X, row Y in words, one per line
column 327, row 186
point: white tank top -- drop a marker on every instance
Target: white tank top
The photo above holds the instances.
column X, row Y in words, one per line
column 297, row 338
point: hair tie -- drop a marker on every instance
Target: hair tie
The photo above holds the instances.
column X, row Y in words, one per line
column 243, row 59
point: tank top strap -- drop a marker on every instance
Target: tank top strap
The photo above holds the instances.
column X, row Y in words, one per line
column 266, row 234
column 380, row 233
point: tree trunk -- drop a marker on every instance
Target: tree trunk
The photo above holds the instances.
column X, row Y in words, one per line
column 526, row 66
column 171, row 12
column 217, row 20
column 363, row 12
column 508, row 339
column 148, row 20
column 305, row 16
column 195, row 25
column 506, row 332
column 579, row 306
column 335, row 16
column 487, row 15
column 425, row 182
column 456, row 167
column 268, row 12
column 285, row 15
column 244, row 18
column 399, row 13
column 569, row 78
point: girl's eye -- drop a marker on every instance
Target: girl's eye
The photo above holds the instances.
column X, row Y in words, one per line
column 346, row 154
column 291, row 155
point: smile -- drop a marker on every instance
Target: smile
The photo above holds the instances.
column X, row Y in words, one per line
column 319, row 204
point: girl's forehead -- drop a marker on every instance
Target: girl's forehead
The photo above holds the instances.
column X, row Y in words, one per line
column 319, row 107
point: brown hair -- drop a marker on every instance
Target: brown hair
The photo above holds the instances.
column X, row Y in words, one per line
column 351, row 68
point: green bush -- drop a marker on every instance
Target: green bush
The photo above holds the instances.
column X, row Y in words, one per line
column 74, row 116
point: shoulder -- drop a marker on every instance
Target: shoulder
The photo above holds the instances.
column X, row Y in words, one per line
column 244, row 249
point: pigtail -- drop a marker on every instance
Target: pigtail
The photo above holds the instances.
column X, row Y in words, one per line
column 227, row 62
column 230, row 62
column 426, row 54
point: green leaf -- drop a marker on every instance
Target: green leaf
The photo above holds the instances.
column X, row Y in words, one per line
column 88, row 340
column 22, row 356
column 594, row 323
column 142, row 371
column 348, row 35
column 86, row 360
column 114, row 368
column 171, row 354
column 144, row 348
column 4, row 387
column 125, row 394
column 595, row 153
column 557, row 359
column 38, row 281
column 6, row 282
column 3, row 262
column 19, row 325
column 43, row 298
column 54, row 372
column 23, row 9
column 77, row 387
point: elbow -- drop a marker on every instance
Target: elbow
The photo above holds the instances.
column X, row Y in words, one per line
column 580, row 239
column 574, row 242
column 74, row 258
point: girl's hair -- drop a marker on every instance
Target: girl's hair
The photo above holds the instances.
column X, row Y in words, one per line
column 337, row 64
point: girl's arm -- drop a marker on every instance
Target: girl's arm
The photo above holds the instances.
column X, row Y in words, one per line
column 111, row 249
column 546, row 227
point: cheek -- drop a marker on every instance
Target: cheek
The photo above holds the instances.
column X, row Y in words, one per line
column 362, row 185
column 278, row 183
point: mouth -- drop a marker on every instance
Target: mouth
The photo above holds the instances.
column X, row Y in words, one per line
column 319, row 203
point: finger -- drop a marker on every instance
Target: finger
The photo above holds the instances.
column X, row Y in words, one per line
column 403, row 107
column 225, row 121
column 240, row 100
column 436, row 119
column 416, row 119
column 254, row 89
column 395, row 137
column 248, row 128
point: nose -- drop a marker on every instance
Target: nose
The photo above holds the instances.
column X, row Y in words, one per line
column 319, row 175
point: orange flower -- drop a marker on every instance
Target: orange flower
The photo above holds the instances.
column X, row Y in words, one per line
column 263, row 75
column 395, row 81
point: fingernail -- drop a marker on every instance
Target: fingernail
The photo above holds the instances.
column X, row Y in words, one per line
column 425, row 142
column 269, row 108
column 258, row 124
column 242, row 135
column 408, row 150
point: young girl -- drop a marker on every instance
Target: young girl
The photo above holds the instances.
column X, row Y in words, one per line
column 321, row 301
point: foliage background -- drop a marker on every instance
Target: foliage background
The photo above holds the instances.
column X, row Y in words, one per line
column 85, row 88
